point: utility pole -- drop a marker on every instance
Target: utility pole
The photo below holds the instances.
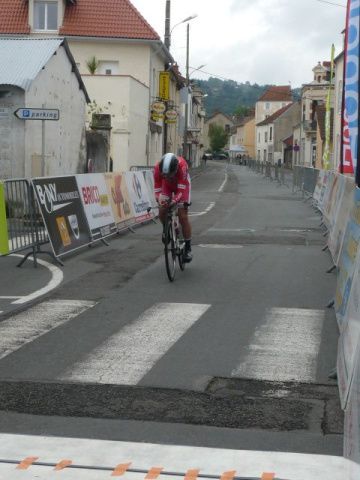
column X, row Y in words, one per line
column 167, row 39
column 185, row 144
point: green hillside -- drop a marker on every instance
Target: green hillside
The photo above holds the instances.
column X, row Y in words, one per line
column 227, row 95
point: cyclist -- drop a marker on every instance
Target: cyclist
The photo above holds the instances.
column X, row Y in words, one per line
column 173, row 186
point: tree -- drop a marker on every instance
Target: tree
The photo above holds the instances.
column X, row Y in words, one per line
column 242, row 111
column 92, row 65
column 218, row 137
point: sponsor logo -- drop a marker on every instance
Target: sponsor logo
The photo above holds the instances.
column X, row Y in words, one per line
column 48, row 196
column 74, row 224
column 351, row 86
column 63, row 230
column 91, row 195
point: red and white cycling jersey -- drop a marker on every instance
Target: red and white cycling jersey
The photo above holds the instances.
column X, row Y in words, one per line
column 177, row 188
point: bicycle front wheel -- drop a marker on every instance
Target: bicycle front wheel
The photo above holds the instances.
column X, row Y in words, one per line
column 181, row 257
column 170, row 251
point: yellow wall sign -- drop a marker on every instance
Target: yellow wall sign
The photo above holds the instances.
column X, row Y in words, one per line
column 164, row 85
column 4, row 242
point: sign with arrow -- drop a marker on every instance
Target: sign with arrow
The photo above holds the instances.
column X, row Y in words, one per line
column 37, row 114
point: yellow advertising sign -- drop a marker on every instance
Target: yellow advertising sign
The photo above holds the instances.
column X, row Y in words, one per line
column 4, row 242
column 164, row 85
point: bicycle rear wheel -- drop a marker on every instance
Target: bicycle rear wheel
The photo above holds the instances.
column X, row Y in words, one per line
column 170, row 251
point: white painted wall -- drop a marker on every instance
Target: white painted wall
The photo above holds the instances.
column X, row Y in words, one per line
column 129, row 116
column 56, row 86
column 12, row 133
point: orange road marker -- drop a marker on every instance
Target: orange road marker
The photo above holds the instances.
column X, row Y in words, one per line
column 228, row 475
column 120, row 469
column 154, row 473
column 26, row 463
column 191, row 475
column 268, row 476
column 63, row 464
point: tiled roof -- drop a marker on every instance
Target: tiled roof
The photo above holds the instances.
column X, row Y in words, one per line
column 277, row 94
column 275, row 115
column 108, row 18
column 14, row 17
column 91, row 18
column 289, row 140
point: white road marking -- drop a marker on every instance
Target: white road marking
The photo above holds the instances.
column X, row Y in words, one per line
column 285, row 348
column 217, row 245
column 232, row 230
column 130, row 353
column 99, row 455
column 10, row 297
column 207, row 210
column 221, row 189
column 25, row 327
column 56, row 278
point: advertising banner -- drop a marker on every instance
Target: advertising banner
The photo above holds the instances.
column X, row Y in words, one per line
column 333, row 200
column 327, row 192
column 347, row 261
column 337, row 232
column 139, row 196
column 119, row 198
column 352, row 425
column 150, row 183
column 349, row 339
column 96, row 202
column 4, row 241
column 318, row 186
column 351, row 89
column 324, row 187
column 63, row 213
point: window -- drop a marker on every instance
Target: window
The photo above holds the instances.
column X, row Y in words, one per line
column 270, row 139
column 267, row 106
column 266, row 137
column 264, row 155
column 108, row 67
column 259, row 137
column 45, row 15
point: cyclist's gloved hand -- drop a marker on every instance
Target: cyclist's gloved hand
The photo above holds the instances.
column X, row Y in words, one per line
column 163, row 200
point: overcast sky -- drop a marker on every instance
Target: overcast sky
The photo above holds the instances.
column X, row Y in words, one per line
column 260, row 41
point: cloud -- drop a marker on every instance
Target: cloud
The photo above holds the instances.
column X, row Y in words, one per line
column 263, row 41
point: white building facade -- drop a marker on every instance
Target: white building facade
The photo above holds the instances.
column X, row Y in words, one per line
column 41, row 74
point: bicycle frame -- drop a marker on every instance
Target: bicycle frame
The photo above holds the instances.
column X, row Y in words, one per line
column 174, row 246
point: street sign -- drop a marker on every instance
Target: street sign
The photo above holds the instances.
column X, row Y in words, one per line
column 37, row 114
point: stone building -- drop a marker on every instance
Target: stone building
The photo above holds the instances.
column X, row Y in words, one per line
column 42, row 74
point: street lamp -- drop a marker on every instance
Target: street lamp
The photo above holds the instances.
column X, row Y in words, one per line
column 198, row 68
column 187, row 83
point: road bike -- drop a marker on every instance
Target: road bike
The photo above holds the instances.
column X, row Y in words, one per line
column 174, row 247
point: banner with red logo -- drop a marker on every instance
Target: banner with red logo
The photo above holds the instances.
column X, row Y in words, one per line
column 96, row 202
column 351, row 90
column 139, row 196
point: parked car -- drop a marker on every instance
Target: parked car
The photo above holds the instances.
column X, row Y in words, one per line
column 220, row 155
column 207, row 156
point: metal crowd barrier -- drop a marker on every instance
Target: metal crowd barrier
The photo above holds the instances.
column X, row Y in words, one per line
column 24, row 221
column 136, row 168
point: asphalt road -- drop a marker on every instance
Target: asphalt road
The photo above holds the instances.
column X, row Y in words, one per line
column 234, row 354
